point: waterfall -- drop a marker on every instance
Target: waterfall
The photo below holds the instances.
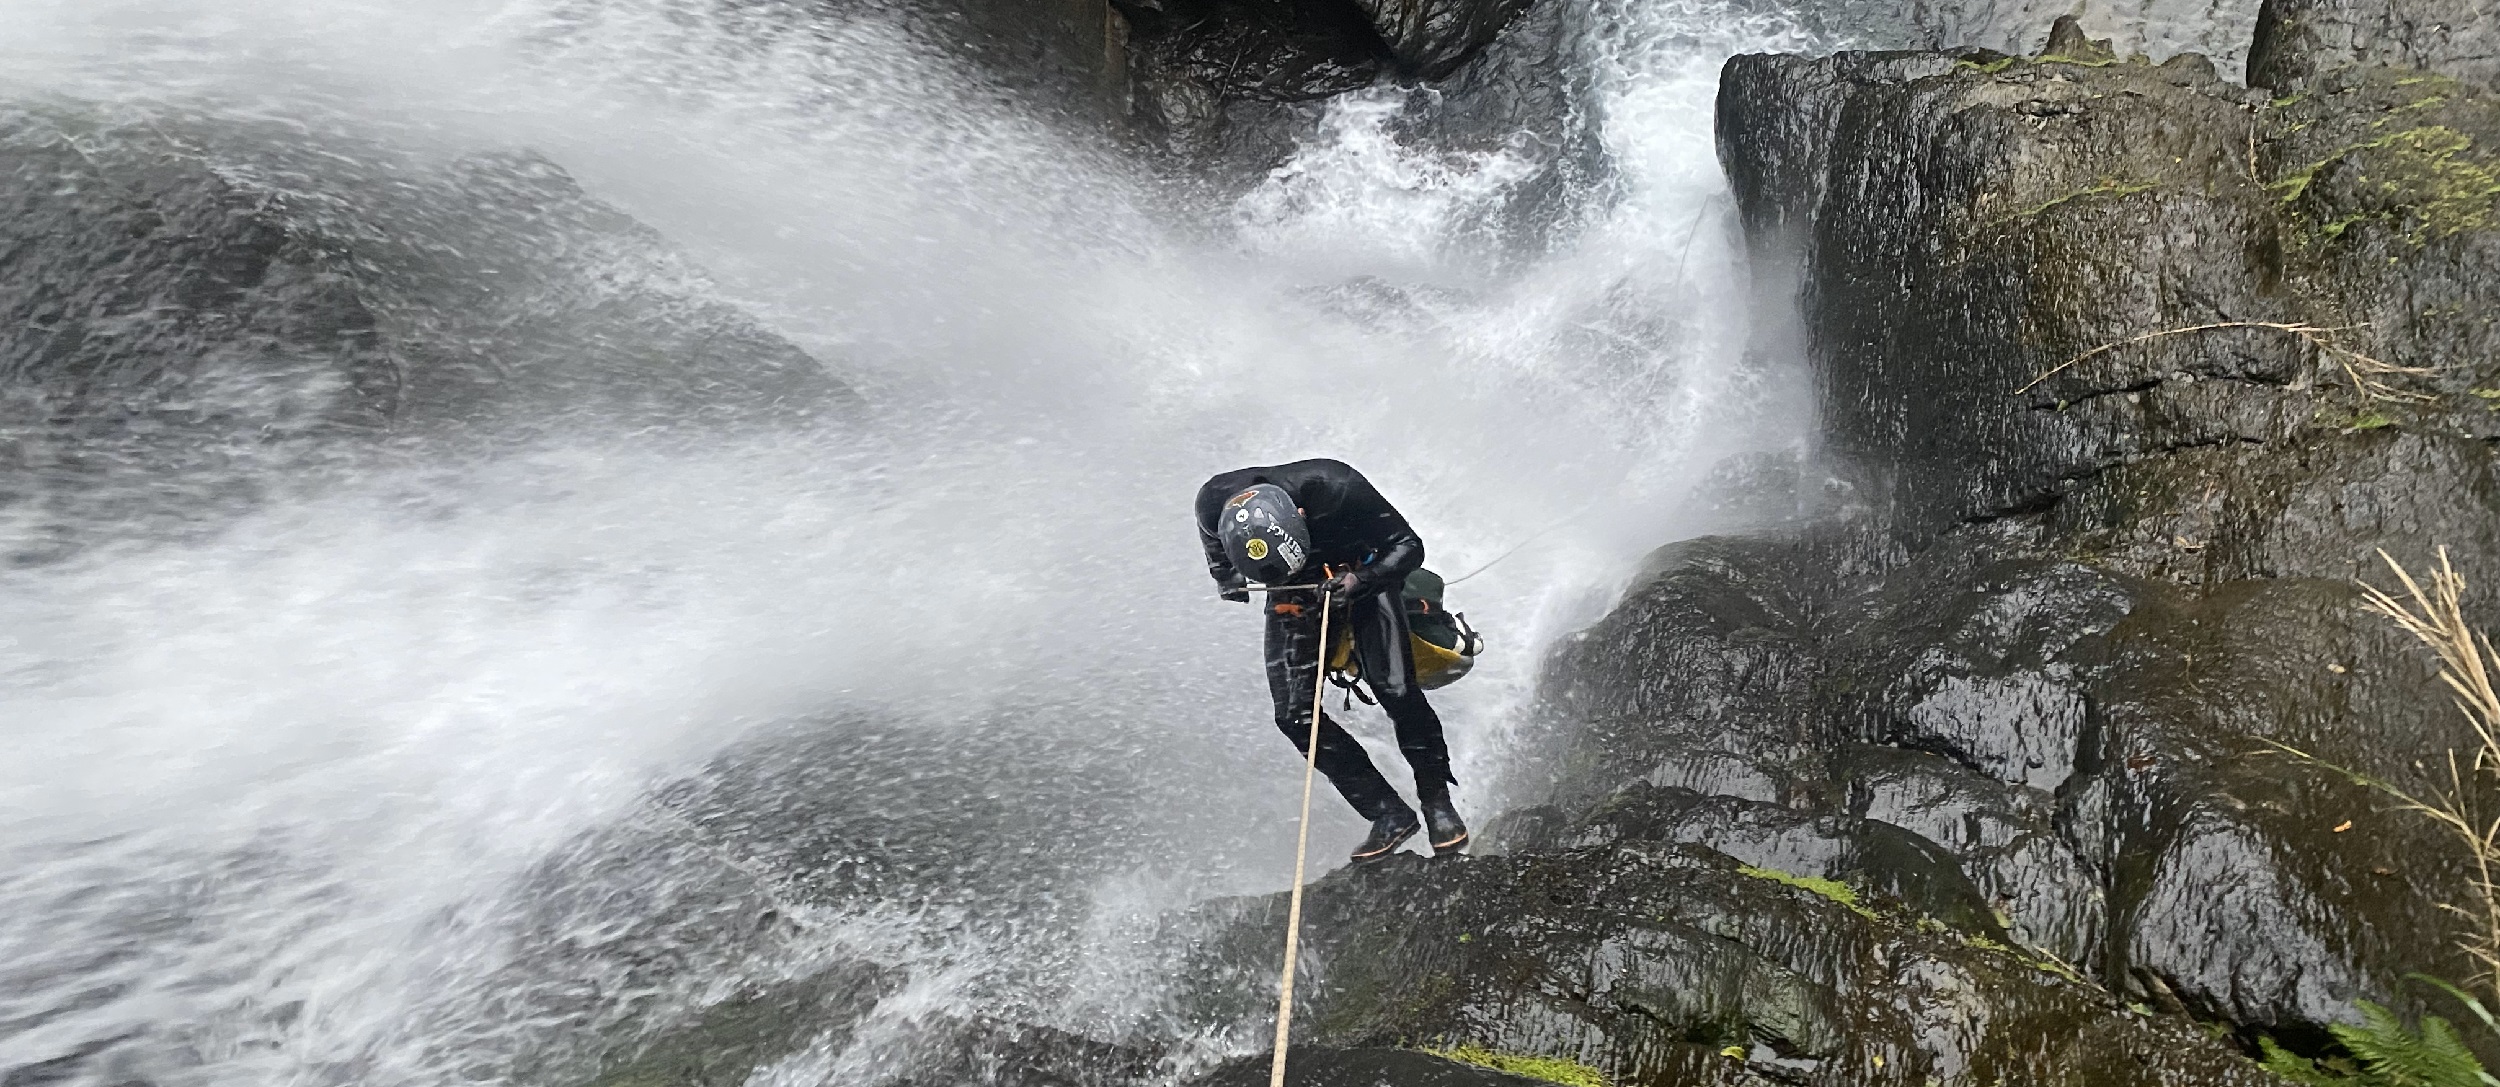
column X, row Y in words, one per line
column 477, row 759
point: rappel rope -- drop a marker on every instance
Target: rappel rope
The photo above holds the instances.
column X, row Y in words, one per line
column 1301, row 851
column 1522, row 545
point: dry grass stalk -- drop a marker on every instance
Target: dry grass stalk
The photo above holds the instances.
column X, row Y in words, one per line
column 2435, row 614
column 2366, row 374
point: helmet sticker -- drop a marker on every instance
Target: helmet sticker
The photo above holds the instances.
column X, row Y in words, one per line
column 1241, row 515
column 1242, row 497
column 1290, row 550
column 1257, row 548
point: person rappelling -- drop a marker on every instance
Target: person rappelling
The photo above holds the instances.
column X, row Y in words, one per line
column 1294, row 531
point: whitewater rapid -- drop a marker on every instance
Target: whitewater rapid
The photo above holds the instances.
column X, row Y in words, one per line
column 416, row 776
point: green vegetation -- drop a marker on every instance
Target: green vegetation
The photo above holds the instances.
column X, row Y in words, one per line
column 1991, row 68
column 2337, row 228
column 2383, row 1051
column 2079, row 62
column 1562, row 1070
column 1828, row 888
column 2430, row 171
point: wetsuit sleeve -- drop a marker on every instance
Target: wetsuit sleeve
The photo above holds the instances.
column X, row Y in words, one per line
column 1397, row 550
column 1219, row 565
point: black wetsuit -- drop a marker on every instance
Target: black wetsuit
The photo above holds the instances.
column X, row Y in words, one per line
column 1353, row 529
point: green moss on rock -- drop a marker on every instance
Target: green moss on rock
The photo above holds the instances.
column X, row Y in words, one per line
column 1562, row 1070
column 1832, row 889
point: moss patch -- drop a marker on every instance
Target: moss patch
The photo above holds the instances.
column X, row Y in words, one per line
column 2109, row 186
column 1562, row 1070
column 2431, row 171
column 1827, row 888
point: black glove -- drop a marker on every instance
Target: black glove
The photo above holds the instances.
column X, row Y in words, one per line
column 1235, row 590
column 1348, row 585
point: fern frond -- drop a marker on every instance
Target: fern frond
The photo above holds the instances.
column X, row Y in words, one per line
column 2393, row 1055
column 2472, row 1004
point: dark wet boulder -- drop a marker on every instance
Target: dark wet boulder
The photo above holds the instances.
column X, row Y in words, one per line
column 2113, row 262
column 1431, row 38
column 2246, row 885
column 1744, row 670
column 1700, row 679
column 1671, row 964
column 1984, row 665
column 193, row 307
column 1367, row 1067
column 2298, row 40
column 2004, row 837
column 1974, row 224
column 178, row 271
column 1869, row 856
column 1228, row 90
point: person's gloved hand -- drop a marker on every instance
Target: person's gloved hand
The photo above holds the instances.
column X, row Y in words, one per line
column 1236, row 590
column 1345, row 585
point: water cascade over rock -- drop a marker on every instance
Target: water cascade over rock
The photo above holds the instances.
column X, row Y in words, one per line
column 465, row 641
column 2107, row 357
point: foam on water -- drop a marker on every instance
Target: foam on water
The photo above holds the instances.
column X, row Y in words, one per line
column 314, row 799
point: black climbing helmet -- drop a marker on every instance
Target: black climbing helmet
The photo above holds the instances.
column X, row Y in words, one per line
column 1264, row 534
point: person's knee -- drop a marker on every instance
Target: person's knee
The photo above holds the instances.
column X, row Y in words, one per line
column 1297, row 731
column 1404, row 703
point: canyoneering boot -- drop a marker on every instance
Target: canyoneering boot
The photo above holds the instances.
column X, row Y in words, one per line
column 1448, row 833
column 1388, row 833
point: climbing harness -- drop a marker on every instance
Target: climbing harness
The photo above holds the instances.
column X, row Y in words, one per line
column 1301, row 851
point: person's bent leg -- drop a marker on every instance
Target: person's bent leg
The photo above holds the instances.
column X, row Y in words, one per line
column 1381, row 641
column 1293, row 676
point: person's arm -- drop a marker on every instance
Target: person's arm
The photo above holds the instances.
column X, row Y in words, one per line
column 1229, row 583
column 1397, row 550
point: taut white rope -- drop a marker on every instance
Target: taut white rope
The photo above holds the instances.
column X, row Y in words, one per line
column 1301, row 850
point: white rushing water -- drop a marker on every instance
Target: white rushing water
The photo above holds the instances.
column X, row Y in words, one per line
column 325, row 796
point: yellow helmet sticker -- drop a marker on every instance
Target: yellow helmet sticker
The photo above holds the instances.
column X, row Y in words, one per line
column 1257, row 548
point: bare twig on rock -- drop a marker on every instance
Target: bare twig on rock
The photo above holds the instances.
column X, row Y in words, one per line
column 2364, row 372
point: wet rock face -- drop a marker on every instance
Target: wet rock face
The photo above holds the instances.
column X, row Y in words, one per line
column 1983, row 669
column 1228, row 88
column 1669, row 964
column 388, row 289
column 1433, row 37
column 2135, row 369
column 1371, row 1067
column 184, row 298
column 2298, row 40
column 2095, row 248
column 1863, row 853
column 2159, row 28
column 1965, row 229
